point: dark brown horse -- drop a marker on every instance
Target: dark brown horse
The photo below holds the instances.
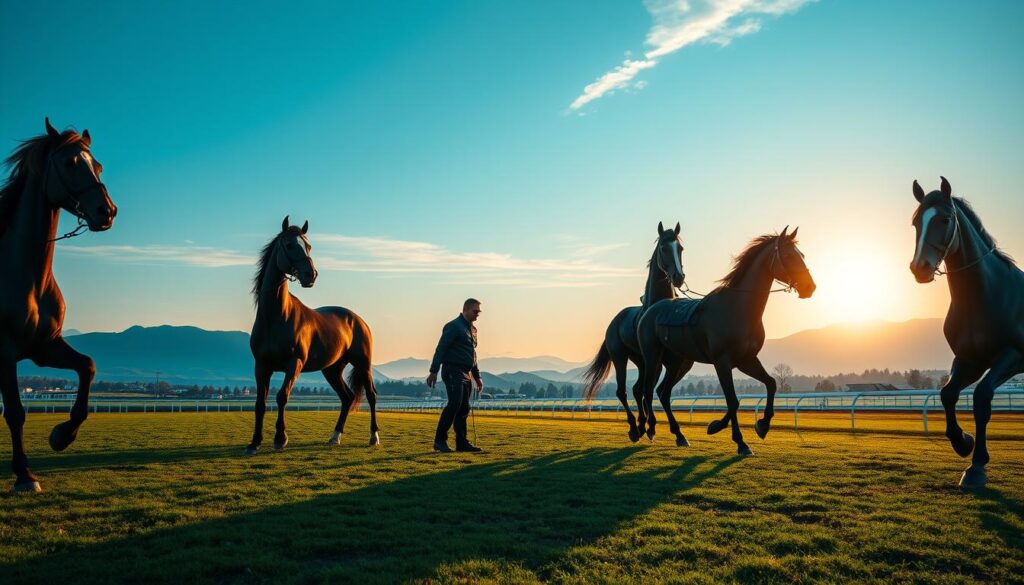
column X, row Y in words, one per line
column 723, row 329
column 51, row 172
column 290, row 337
column 985, row 322
column 664, row 275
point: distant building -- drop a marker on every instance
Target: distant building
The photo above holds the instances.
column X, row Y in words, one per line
column 47, row 394
column 871, row 387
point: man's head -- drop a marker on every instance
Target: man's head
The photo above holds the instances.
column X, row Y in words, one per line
column 471, row 310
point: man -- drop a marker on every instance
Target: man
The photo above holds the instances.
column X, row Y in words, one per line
column 455, row 357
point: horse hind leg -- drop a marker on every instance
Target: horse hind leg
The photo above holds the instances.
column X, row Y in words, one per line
column 334, row 377
column 725, row 378
column 58, row 354
column 14, row 414
column 672, row 377
column 755, row 370
column 362, row 382
column 619, row 363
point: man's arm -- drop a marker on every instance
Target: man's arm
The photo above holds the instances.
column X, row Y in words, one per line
column 447, row 336
column 476, row 377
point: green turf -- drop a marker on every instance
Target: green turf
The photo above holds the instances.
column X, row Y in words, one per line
column 168, row 498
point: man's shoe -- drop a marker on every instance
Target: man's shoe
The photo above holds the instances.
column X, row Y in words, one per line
column 442, row 447
column 467, row 448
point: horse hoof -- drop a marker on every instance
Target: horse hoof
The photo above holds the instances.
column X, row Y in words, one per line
column 650, row 434
column 761, row 428
column 634, row 435
column 973, row 477
column 280, row 445
column 744, row 450
column 375, row 440
column 335, row 440
column 28, row 487
column 250, row 450
column 716, row 426
column 682, row 442
column 965, row 446
column 60, row 437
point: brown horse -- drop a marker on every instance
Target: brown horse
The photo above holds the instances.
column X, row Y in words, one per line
column 290, row 337
column 723, row 329
column 51, row 172
column 664, row 275
column 985, row 323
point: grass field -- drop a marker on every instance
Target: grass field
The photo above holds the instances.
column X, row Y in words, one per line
column 168, row 498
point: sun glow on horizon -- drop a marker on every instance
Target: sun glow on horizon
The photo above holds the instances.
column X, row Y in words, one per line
column 861, row 282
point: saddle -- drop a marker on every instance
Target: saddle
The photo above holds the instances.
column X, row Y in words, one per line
column 682, row 313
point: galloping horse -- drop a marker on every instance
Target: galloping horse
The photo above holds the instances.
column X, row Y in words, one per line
column 289, row 337
column 664, row 274
column 51, row 172
column 724, row 329
column 985, row 323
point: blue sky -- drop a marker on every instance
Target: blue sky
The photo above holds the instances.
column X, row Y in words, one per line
column 437, row 153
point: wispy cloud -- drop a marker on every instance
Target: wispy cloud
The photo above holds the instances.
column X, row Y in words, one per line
column 678, row 23
column 391, row 257
column 157, row 254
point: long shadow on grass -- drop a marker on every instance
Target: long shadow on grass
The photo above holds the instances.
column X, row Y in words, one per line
column 524, row 512
column 992, row 515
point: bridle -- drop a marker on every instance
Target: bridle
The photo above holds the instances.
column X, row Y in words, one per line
column 72, row 194
column 664, row 271
column 956, row 237
column 777, row 256
column 293, row 274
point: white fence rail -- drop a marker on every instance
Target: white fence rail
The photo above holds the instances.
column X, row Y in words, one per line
column 1006, row 399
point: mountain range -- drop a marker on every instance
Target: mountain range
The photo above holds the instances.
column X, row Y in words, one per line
column 183, row 354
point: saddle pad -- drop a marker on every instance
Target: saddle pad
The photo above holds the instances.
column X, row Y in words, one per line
column 680, row 314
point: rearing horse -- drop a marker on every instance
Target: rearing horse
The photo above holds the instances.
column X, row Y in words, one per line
column 664, row 275
column 51, row 172
column 724, row 329
column 289, row 337
column 985, row 322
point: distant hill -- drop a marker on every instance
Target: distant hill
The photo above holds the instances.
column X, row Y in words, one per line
column 196, row 356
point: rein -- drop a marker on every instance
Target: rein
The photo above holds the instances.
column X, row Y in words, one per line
column 778, row 256
column 957, row 233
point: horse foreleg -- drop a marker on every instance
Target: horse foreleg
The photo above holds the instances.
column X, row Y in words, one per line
column 1007, row 365
column 724, row 372
column 14, row 414
column 961, row 375
column 672, row 377
column 335, row 378
column 755, row 370
column 262, row 390
column 281, row 437
column 58, row 354
column 371, row 400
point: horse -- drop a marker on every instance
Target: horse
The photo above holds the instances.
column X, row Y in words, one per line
column 723, row 329
column 287, row 336
column 50, row 172
column 664, row 275
column 985, row 322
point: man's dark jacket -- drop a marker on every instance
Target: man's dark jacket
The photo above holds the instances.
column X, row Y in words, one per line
column 457, row 347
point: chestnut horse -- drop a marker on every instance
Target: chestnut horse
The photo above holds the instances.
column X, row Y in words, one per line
column 289, row 337
column 50, row 172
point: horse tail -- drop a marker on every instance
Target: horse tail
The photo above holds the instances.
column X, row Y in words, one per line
column 597, row 371
column 358, row 381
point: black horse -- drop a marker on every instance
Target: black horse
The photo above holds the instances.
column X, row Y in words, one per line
column 985, row 322
column 664, row 275
column 724, row 329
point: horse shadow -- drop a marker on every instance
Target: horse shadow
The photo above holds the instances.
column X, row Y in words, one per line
column 995, row 506
column 515, row 515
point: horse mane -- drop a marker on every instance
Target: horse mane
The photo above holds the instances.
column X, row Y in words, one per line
column 975, row 221
column 27, row 160
column 264, row 262
column 742, row 262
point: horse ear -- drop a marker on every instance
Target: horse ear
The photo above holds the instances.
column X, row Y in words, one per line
column 677, row 228
column 792, row 236
column 305, row 227
column 86, row 139
column 661, row 228
column 50, row 129
column 946, row 189
column 284, row 224
column 784, row 230
column 918, row 191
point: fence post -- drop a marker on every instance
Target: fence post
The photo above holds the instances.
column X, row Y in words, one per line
column 924, row 412
column 853, row 410
column 796, row 409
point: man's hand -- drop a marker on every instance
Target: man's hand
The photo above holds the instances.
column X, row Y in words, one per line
column 479, row 384
column 432, row 379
